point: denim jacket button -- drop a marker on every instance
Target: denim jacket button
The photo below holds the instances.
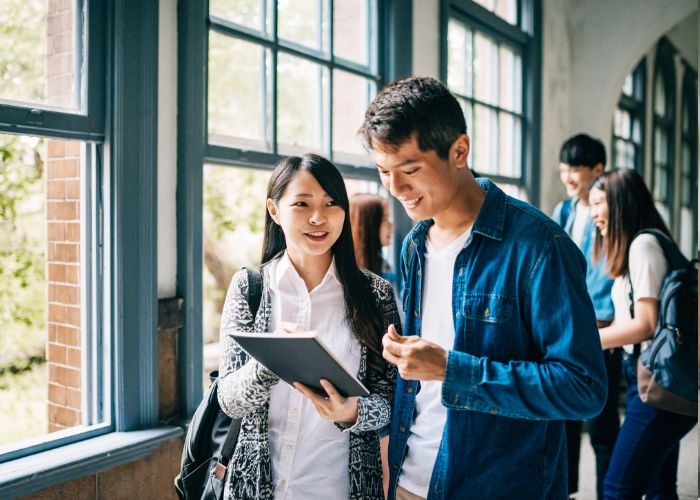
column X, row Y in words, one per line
column 402, row 428
column 409, row 390
column 493, row 411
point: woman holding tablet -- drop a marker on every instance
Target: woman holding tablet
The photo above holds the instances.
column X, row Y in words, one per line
column 294, row 443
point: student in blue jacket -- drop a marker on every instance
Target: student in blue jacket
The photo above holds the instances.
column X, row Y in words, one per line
column 582, row 159
column 501, row 342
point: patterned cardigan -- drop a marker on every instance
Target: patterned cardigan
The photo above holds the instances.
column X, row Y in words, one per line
column 244, row 392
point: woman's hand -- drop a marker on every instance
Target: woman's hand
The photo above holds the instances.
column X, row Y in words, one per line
column 289, row 327
column 334, row 407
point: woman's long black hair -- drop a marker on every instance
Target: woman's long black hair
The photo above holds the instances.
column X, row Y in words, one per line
column 362, row 312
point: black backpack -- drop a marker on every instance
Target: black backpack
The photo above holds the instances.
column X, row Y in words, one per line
column 667, row 368
column 212, row 435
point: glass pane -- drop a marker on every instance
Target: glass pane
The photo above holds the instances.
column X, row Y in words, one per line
column 351, row 96
column 659, row 96
column 686, row 176
column 514, row 191
column 38, row 56
column 485, row 140
column 351, row 31
column 43, row 276
column 459, row 59
column 510, row 79
column 302, row 89
column 238, row 93
column 304, row 22
column 253, row 14
column 485, row 69
column 505, row 9
column 509, row 146
column 687, row 242
column 628, row 85
column 508, row 10
column 622, row 123
column 233, row 219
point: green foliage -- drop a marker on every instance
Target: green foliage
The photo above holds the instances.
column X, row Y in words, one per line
column 23, row 54
column 22, row 222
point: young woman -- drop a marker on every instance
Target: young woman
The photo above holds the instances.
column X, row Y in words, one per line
column 371, row 224
column 295, row 444
column 645, row 458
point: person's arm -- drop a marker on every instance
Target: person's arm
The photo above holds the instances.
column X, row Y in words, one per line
column 635, row 330
column 244, row 384
column 563, row 375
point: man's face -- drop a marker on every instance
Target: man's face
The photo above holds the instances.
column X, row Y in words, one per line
column 576, row 179
column 425, row 184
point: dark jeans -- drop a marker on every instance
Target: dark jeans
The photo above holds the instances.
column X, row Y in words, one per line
column 645, row 459
column 602, row 430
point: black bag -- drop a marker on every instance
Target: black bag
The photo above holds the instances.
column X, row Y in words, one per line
column 212, row 435
column 667, row 368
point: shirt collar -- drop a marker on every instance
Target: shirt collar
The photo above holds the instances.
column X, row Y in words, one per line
column 284, row 266
column 489, row 222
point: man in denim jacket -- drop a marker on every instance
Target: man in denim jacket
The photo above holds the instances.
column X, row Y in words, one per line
column 581, row 159
column 501, row 343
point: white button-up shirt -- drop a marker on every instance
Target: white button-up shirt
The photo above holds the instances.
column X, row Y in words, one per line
column 309, row 454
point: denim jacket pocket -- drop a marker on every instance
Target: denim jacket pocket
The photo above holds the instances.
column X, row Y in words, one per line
column 488, row 325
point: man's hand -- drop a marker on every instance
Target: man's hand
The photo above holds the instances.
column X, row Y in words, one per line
column 334, row 407
column 415, row 358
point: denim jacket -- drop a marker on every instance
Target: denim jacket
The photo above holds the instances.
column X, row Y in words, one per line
column 526, row 356
column 597, row 280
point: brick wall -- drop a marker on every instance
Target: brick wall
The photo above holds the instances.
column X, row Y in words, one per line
column 63, row 228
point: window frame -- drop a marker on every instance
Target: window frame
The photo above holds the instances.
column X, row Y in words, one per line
column 664, row 69
column 689, row 104
column 633, row 105
column 526, row 36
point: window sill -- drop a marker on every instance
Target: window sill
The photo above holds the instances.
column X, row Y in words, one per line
column 42, row 470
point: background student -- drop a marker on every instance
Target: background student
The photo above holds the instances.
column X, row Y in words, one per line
column 372, row 229
column 645, row 458
column 581, row 160
column 295, row 443
column 491, row 365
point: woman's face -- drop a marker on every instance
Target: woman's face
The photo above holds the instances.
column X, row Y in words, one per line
column 386, row 228
column 599, row 209
column 310, row 219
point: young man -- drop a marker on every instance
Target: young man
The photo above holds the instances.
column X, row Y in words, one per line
column 582, row 159
column 501, row 344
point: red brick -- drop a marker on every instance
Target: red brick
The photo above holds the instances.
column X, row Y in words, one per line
column 73, row 398
column 66, row 294
column 68, row 335
column 55, row 148
column 62, row 210
column 56, row 231
column 57, row 394
column 73, row 316
column 72, row 274
column 67, row 252
column 73, row 232
column 73, row 149
column 74, row 358
column 57, row 273
column 72, row 189
column 56, row 189
column 57, row 314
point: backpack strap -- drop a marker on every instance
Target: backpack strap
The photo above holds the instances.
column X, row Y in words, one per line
column 254, row 297
column 254, row 289
column 674, row 257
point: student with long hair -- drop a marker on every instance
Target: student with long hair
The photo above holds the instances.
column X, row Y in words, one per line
column 645, row 457
column 370, row 219
column 294, row 443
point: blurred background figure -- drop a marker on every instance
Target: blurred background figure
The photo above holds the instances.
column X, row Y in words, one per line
column 370, row 219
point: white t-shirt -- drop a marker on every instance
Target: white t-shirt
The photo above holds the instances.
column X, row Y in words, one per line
column 581, row 216
column 647, row 268
column 309, row 454
column 437, row 326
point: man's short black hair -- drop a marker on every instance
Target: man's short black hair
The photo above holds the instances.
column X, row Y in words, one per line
column 582, row 151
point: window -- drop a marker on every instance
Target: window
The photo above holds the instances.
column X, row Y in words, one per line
column 688, row 187
column 663, row 131
column 485, row 61
column 301, row 87
column 282, row 78
column 628, row 120
column 85, row 154
column 53, row 370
